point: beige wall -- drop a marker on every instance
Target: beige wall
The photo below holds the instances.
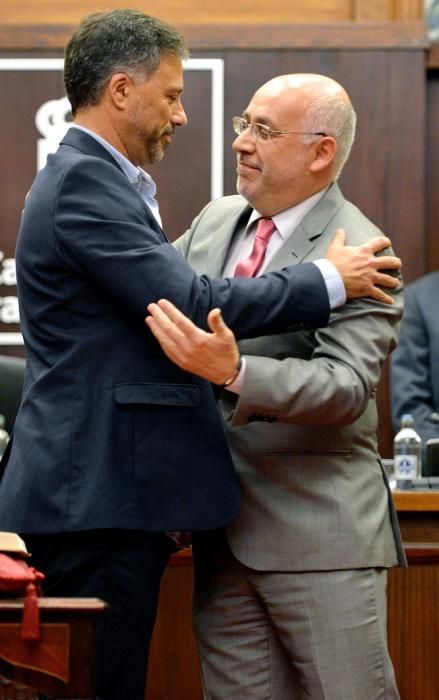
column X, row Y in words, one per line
column 31, row 12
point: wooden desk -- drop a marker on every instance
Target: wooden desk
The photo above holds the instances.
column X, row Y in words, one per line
column 59, row 664
column 418, row 515
column 174, row 671
column 413, row 597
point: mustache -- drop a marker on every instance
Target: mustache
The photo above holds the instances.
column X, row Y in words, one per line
column 248, row 163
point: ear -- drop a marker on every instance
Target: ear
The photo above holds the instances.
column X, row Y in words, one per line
column 325, row 151
column 119, row 88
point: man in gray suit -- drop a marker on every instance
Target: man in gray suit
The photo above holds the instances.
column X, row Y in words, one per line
column 290, row 599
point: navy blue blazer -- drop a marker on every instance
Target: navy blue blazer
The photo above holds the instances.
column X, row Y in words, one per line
column 110, row 433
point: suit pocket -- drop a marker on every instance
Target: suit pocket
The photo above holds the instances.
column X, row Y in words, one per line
column 157, row 394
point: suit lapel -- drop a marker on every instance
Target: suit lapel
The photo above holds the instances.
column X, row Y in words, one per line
column 88, row 145
column 295, row 249
column 308, row 233
column 222, row 239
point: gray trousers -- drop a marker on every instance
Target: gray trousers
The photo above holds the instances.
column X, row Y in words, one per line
column 290, row 636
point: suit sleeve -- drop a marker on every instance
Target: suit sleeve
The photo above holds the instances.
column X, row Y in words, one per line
column 331, row 377
column 106, row 233
column 411, row 380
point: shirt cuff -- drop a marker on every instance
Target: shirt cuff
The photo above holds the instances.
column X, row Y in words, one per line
column 334, row 283
column 236, row 386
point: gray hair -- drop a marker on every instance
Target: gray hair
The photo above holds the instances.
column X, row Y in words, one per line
column 108, row 42
column 335, row 116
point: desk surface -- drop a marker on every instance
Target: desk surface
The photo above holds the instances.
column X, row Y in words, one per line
column 54, row 605
column 78, row 605
column 411, row 501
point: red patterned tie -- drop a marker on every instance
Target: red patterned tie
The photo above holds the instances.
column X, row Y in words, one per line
column 250, row 266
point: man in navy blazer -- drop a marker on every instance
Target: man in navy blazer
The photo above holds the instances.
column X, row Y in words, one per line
column 113, row 445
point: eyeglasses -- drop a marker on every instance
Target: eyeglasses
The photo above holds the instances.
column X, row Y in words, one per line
column 261, row 132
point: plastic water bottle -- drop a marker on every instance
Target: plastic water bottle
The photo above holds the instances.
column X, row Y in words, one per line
column 4, row 435
column 407, row 453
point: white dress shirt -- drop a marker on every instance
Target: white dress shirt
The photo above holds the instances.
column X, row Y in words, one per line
column 286, row 222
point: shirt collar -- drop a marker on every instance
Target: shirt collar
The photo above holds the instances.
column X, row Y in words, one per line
column 134, row 174
column 288, row 219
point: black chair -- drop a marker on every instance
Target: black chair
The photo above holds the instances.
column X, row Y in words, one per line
column 432, row 456
column 11, row 386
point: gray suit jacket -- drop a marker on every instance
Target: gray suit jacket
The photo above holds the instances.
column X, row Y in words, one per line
column 303, row 430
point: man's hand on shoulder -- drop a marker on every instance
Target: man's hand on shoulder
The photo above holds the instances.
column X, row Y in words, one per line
column 361, row 269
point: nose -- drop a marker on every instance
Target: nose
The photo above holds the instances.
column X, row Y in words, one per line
column 244, row 142
column 179, row 117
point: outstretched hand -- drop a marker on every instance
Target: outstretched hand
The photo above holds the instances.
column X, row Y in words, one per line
column 213, row 356
column 359, row 267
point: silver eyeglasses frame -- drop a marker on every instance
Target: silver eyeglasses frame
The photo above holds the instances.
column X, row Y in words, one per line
column 262, row 132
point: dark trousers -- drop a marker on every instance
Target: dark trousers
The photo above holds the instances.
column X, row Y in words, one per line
column 123, row 568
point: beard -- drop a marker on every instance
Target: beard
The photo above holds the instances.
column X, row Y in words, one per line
column 153, row 143
column 155, row 149
column 153, row 146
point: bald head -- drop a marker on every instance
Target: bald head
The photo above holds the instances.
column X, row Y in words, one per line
column 320, row 103
column 311, row 84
